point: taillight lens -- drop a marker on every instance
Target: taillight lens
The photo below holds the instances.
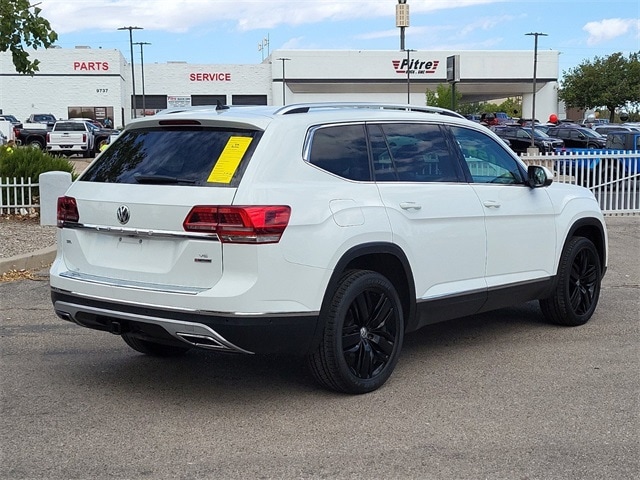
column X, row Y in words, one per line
column 242, row 224
column 67, row 211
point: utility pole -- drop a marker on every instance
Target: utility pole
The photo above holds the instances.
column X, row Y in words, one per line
column 535, row 72
column 133, row 77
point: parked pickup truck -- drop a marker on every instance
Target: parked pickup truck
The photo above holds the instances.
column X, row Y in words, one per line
column 69, row 137
column 32, row 135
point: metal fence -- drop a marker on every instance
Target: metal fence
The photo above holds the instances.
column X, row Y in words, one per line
column 612, row 176
column 18, row 196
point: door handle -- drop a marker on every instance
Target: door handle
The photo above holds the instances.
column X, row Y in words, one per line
column 410, row 206
column 491, row 204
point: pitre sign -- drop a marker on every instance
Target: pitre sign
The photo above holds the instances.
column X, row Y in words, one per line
column 415, row 66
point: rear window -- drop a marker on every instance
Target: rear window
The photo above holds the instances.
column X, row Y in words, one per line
column 198, row 156
column 69, row 127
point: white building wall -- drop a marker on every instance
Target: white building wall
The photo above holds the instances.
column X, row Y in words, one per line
column 66, row 77
column 100, row 77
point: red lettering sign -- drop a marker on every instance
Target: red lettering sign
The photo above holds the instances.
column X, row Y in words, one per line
column 210, row 77
column 91, row 66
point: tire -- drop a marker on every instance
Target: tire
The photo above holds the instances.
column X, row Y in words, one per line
column 35, row 144
column 577, row 288
column 152, row 348
column 86, row 154
column 363, row 334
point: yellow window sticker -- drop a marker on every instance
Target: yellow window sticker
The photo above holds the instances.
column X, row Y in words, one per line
column 229, row 160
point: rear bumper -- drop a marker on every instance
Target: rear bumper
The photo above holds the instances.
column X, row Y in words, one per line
column 262, row 334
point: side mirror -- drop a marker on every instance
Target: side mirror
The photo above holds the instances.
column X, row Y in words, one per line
column 538, row 176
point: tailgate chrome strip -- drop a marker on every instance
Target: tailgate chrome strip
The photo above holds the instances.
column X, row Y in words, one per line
column 140, row 232
column 114, row 282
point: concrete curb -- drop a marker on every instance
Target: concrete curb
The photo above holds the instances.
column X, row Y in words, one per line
column 39, row 259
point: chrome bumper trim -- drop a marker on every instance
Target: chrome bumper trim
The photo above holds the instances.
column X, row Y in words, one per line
column 202, row 335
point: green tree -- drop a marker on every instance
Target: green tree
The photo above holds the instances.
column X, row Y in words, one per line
column 21, row 26
column 441, row 97
column 612, row 82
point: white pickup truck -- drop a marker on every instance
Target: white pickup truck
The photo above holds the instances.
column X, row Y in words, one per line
column 69, row 137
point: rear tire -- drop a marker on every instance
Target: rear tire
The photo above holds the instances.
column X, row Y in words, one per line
column 577, row 290
column 152, row 348
column 364, row 330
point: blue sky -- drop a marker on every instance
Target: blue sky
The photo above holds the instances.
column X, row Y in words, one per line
column 229, row 32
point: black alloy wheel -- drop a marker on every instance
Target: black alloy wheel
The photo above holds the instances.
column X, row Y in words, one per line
column 364, row 329
column 578, row 286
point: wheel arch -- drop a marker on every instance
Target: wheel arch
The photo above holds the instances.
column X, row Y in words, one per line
column 592, row 229
column 385, row 258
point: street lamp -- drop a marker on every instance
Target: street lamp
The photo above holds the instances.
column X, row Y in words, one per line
column 402, row 19
column 144, row 102
column 133, row 77
column 283, row 79
column 535, row 69
column 409, row 75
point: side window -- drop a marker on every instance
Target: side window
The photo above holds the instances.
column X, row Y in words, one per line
column 341, row 150
column 411, row 152
column 523, row 134
column 487, row 160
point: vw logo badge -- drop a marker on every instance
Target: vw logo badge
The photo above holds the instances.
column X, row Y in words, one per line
column 123, row 214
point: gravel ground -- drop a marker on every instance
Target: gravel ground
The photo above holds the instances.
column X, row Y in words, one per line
column 24, row 234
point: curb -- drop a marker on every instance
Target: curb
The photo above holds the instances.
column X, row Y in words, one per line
column 39, row 259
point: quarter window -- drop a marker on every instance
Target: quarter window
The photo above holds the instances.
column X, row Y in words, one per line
column 341, row 150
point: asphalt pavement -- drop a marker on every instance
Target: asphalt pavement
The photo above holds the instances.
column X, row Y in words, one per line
column 502, row 395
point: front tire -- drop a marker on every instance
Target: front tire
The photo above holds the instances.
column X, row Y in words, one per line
column 364, row 330
column 152, row 348
column 577, row 290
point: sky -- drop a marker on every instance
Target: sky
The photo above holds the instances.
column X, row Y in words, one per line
column 246, row 31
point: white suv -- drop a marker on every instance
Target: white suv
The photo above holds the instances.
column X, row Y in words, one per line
column 324, row 230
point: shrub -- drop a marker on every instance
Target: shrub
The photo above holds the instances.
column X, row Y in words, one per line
column 29, row 162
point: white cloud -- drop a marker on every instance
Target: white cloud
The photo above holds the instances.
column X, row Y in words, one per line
column 610, row 28
column 244, row 15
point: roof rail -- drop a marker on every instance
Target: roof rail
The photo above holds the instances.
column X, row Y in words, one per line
column 306, row 107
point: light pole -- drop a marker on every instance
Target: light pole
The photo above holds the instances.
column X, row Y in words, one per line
column 535, row 71
column 133, row 77
column 283, row 79
column 409, row 75
column 402, row 19
column 144, row 102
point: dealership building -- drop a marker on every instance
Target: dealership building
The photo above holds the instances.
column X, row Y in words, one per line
column 97, row 83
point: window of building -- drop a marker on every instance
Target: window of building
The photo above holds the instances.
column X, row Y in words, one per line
column 248, row 99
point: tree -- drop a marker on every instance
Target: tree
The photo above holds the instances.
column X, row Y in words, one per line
column 441, row 97
column 20, row 27
column 612, row 82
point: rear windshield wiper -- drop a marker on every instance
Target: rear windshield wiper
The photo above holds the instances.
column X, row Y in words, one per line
column 161, row 179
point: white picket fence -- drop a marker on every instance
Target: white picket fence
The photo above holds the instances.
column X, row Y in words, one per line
column 18, row 196
column 612, row 176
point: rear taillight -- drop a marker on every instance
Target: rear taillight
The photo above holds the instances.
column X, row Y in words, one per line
column 245, row 224
column 67, row 211
column 84, row 138
column 48, row 137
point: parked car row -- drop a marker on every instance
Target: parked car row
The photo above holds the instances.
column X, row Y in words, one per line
column 65, row 137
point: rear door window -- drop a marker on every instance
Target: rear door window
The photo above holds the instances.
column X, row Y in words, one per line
column 411, row 152
column 196, row 156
